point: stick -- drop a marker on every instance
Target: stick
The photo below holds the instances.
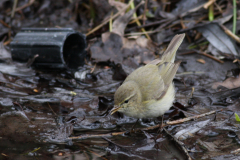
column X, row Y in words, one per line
column 203, row 53
column 181, row 144
column 209, row 3
column 4, row 23
column 107, row 20
column 14, row 8
column 148, row 128
column 22, row 7
column 235, row 151
column 230, row 33
column 209, row 56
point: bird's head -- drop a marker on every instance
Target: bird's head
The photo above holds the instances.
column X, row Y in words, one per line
column 127, row 97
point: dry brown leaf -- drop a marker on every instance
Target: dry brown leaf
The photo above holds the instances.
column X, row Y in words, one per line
column 229, row 83
column 210, row 2
column 119, row 5
column 201, row 61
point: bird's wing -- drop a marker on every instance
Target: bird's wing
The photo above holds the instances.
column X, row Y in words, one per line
column 155, row 78
column 149, row 81
column 167, row 67
column 167, row 71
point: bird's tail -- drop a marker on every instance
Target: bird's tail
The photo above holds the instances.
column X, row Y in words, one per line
column 170, row 53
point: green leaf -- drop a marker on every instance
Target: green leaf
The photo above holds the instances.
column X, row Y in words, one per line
column 149, row 14
column 237, row 117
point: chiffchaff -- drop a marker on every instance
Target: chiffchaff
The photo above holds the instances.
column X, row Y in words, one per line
column 148, row 91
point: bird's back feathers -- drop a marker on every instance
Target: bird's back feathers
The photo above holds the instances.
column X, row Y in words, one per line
column 158, row 74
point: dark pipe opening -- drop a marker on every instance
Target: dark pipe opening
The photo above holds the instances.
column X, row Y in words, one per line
column 74, row 50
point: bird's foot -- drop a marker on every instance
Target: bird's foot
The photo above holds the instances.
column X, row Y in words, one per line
column 161, row 126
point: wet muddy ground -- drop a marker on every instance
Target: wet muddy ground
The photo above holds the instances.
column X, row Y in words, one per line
column 40, row 110
column 64, row 114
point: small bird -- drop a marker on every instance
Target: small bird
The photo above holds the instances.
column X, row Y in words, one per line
column 148, row 91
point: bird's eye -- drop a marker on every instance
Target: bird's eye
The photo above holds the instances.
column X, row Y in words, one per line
column 126, row 101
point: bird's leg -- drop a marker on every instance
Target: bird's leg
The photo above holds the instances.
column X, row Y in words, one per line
column 160, row 128
column 134, row 126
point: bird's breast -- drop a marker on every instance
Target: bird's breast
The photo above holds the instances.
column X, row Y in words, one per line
column 156, row 108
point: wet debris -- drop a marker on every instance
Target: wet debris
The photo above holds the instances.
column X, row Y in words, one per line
column 64, row 113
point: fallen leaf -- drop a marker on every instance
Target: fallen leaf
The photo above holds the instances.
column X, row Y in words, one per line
column 187, row 6
column 218, row 38
column 190, row 130
column 201, row 61
column 210, row 146
column 119, row 5
column 229, row 83
column 116, row 48
column 4, row 54
column 108, row 49
column 121, row 22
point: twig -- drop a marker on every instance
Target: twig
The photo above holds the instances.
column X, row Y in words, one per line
column 140, row 17
column 30, row 61
column 148, row 128
column 209, row 56
column 218, row 7
column 98, row 155
column 35, row 150
column 236, row 151
column 187, row 73
column 190, row 52
column 51, row 109
column 139, row 33
column 4, row 23
column 110, row 22
column 147, row 25
column 231, row 34
column 95, row 135
column 205, row 54
column 181, row 144
column 19, row 105
column 137, row 20
column 182, row 24
column 185, row 119
column 107, row 20
column 185, row 113
column 145, row 10
column 24, row 6
column 4, row 155
column 92, row 69
column 7, row 42
column 209, row 3
column 14, row 8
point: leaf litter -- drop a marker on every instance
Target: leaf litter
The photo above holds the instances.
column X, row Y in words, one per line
column 58, row 105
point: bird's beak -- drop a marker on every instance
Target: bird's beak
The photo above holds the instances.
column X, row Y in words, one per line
column 115, row 109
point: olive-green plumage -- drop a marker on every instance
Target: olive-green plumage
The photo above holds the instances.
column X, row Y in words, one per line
column 148, row 91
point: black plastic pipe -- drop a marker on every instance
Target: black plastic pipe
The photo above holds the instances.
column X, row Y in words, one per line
column 56, row 48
